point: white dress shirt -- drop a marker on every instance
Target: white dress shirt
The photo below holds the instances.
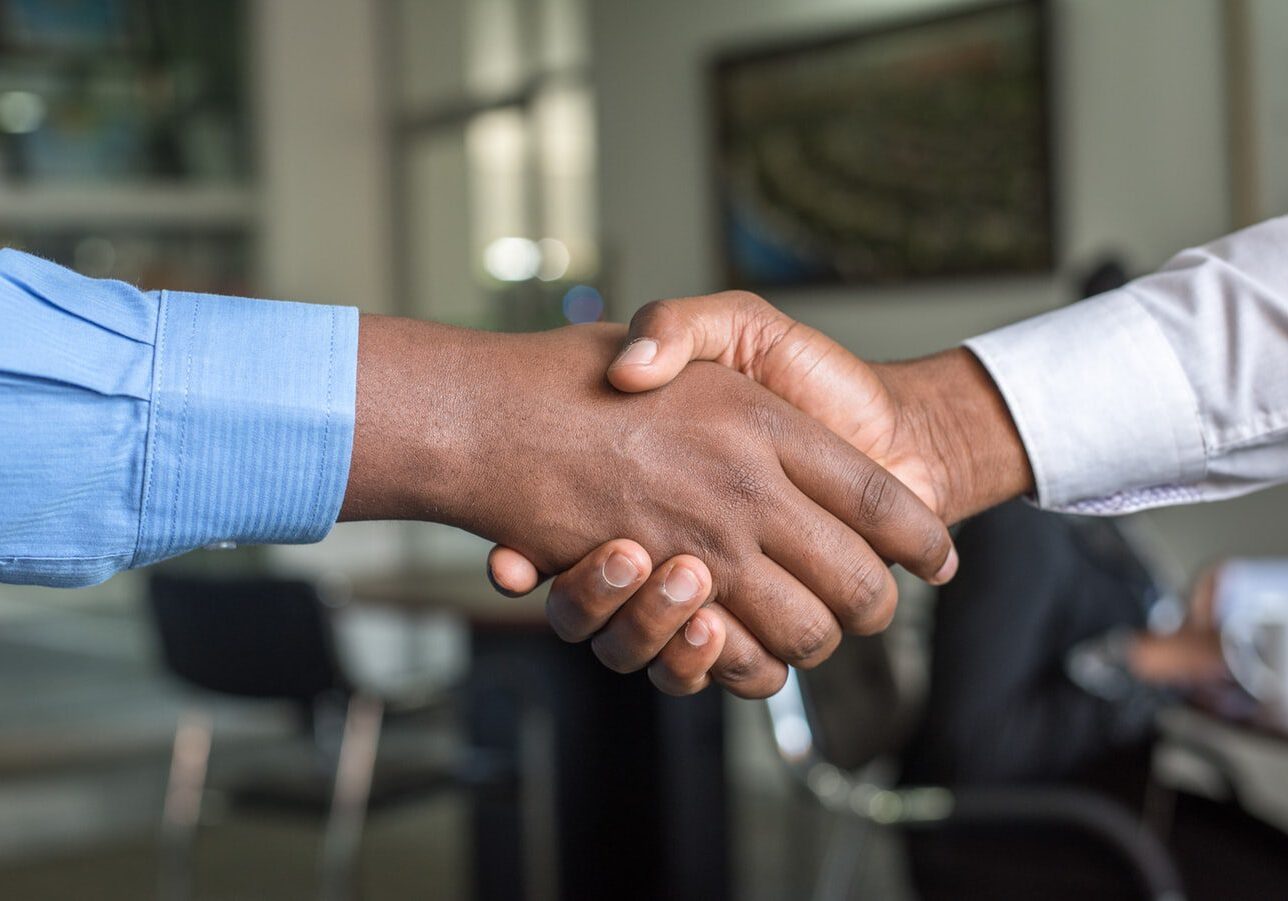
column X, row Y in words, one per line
column 1170, row 390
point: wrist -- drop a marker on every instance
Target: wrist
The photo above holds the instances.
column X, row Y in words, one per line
column 962, row 429
column 414, row 411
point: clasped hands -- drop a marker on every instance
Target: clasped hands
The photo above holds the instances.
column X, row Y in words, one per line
column 773, row 473
column 907, row 461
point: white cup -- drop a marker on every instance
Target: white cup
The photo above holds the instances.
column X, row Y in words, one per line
column 1251, row 607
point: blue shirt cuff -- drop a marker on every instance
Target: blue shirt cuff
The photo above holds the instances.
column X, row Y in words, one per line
column 251, row 425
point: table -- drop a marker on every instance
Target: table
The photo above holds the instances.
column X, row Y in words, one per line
column 1224, row 745
column 632, row 781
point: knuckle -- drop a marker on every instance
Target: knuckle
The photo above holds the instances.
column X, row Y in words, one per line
column 934, row 547
column 775, row 683
column 768, row 684
column 881, row 615
column 563, row 620
column 747, row 485
column 716, row 542
column 746, row 300
column 814, row 643
column 876, row 495
column 652, row 314
column 668, row 682
column 764, row 418
column 861, row 594
column 740, row 666
column 879, row 611
column 613, row 655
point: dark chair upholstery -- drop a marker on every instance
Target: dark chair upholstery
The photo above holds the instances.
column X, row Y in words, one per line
column 253, row 638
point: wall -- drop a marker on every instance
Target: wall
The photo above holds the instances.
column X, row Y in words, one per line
column 324, row 213
column 322, row 152
column 1141, row 167
column 1270, row 85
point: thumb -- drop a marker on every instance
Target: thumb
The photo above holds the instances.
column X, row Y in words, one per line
column 666, row 335
column 510, row 572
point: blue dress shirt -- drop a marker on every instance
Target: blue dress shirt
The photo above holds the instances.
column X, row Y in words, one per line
column 136, row 426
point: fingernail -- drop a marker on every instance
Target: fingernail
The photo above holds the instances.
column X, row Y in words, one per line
column 696, row 633
column 681, row 585
column 948, row 570
column 637, row 353
column 619, row 571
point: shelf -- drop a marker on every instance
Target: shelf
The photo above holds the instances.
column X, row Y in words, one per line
column 140, row 205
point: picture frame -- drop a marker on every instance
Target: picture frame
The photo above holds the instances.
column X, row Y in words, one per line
column 888, row 155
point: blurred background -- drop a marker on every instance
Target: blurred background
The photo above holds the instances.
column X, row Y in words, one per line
column 901, row 174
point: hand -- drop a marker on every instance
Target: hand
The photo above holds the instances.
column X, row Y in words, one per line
column 591, row 601
column 519, row 439
column 1189, row 657
column 937, row 424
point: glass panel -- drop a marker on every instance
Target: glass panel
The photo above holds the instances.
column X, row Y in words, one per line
column 454, row 50
column 564, row 43
column 431, row 50
column 499, row 160
column 444, row 285
column 498, row 39
column 503, row 205
column 563, row 119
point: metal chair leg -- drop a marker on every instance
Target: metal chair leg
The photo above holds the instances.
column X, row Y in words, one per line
column 352, row 791
column 189, row 759
column 846, row 842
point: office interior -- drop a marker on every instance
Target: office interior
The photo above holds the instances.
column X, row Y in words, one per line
column 520, row 165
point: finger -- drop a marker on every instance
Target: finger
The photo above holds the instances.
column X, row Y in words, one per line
column 789, row 620
column 867, row 499
column 666, row 335
column 683, row 666
column 585, row 597
column 744, row 667
column 511, row 573
column 838, row 566
column 658, row 610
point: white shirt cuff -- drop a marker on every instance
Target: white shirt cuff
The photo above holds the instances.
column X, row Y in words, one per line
column 1105, row 411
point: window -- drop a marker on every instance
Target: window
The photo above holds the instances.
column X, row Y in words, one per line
column 494, row 162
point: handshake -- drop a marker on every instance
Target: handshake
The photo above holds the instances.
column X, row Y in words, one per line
column 773, row 473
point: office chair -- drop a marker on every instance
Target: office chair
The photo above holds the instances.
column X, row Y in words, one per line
column 269, row 639
column 838, row 735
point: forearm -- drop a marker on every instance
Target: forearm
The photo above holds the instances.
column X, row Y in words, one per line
column 138, row 426
column 959, row 420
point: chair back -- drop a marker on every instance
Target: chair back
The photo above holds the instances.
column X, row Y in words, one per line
column 250, row 637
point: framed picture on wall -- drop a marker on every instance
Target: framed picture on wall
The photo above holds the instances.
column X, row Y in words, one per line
column 914, row 151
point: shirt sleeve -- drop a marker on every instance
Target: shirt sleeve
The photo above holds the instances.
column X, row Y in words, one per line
column 1170, row 390
column 137, row 426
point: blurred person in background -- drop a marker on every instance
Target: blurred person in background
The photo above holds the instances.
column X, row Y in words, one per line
column 1045, row 672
